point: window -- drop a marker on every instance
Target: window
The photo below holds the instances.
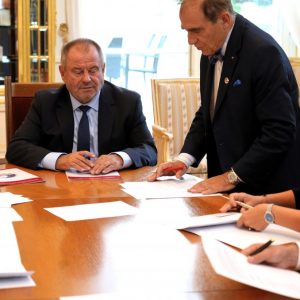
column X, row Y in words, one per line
column 273, row 16
column 140, row 40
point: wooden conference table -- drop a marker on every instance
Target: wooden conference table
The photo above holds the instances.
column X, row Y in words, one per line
column 120, row 255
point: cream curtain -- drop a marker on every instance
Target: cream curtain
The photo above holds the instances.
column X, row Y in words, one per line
column 291, row 13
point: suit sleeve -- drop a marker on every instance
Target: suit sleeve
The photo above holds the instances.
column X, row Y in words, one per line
column 276, row 112
column 24, row 149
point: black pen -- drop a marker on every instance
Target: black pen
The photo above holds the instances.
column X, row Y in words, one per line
column 262, row 247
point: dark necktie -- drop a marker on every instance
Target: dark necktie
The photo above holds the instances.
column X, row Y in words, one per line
column 83, row 138
column 217, row 56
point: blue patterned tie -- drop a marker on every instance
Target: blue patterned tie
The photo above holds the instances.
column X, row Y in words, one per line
column 83, row 138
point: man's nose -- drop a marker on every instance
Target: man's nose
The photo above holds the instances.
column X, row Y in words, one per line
column 192, row 39
column 86, row 76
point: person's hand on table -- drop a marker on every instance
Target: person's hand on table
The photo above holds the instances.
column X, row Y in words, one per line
column 176, row 168
column 80, row 161
column 212, row 185
column 107, row 163
column 241, row 197
column 282, row 256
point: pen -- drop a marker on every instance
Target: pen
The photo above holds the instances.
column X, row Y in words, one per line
column 244, row 205
column 262, row 247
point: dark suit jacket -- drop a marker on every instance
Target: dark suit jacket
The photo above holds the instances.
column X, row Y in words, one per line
column 255, row 126
column 49, row 127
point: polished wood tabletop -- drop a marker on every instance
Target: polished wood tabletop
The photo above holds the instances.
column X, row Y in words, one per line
column 120, row 255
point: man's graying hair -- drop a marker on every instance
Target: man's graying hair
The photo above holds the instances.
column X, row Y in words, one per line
column 212, row 8
column 84, row 44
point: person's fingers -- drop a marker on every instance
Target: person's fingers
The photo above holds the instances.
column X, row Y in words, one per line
column 197, row 188
column 247, row 251
column 258, row 258
column 180, row 173
column 240, row 222
column 152, row 177
column 227, row 207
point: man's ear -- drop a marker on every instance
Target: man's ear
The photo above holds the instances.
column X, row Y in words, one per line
column 226, row 19
column 61, row 71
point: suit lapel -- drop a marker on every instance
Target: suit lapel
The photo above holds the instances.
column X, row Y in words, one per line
column 65, row 119
column 106, row 118
column 230, row 61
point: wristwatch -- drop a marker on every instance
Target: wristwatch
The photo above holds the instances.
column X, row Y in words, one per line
column 269, row 217
column 233, row 178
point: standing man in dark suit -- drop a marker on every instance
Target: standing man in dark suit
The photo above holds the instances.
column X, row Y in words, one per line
column 249, row 115
column 115, row 127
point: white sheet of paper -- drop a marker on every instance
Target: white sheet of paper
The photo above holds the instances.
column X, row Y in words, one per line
column 9, row 250
column 12, row 271
column 8, row 214
column 232, row 264
column 242, row 237
column 164, row 187
column 7, row 199
column 93, row 211
column 209, row 220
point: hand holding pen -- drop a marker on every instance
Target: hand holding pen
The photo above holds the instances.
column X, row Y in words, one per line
column 282, row 256
column 235, row 200
column 177, row 168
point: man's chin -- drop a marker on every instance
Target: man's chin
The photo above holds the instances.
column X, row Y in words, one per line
column 85, row 98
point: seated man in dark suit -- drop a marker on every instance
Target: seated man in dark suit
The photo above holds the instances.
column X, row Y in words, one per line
column 87, row 125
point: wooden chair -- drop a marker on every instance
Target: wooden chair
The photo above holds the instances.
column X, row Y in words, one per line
column 175, row 102
column 18, row 98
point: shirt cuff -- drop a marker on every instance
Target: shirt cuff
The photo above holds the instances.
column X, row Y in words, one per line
column 186, row 158
column 127, row 162
column 49, row 161
column 298, row 262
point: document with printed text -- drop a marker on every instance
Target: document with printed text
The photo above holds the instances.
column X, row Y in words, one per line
column 230, row 263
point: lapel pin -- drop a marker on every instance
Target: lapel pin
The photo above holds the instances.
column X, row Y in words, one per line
column 226, row 80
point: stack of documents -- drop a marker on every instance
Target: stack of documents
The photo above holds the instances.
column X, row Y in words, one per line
column 16, row 176
column 216, row 229
column 164, row 187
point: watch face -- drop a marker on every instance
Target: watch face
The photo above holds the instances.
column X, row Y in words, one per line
column 269, row 218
